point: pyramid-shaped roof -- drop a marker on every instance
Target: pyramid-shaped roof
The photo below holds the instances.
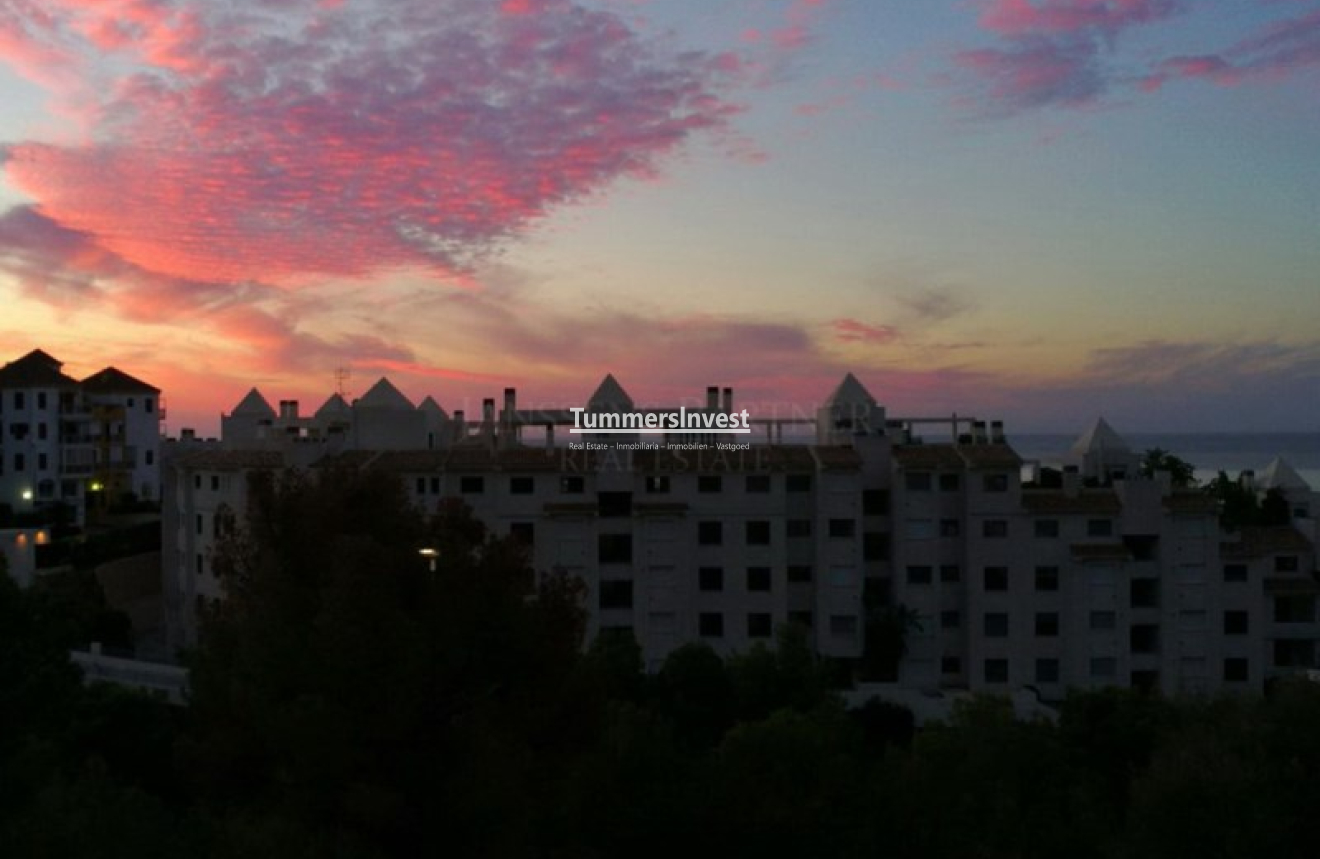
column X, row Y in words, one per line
column 36, row 369
column 112, row 380
column 254, row 405
column 1280, row 475
column 431, row 407
column 850, row 393
column 610, row 395
column 1100, row 437
column 383, row 395
column 334, row 407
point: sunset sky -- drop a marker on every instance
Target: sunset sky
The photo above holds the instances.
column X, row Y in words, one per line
column 1034, row 210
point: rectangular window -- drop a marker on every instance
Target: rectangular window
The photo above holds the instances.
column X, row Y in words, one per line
column 799, row 573
column 758, row 579
column 1235, row 622
column 843, row 527
column 994, row 528
column 215, row 483
column 918, row 574
column 996, row 578
column 41, row 431
column 201, row 565
column 421, row 486
column 950, row 573
column 197, row 481
column 950, row 619
column 799, row 528
column 1047, row 671
column 41, row 462
column 1047, row 529
column 1100, row 527
column 1047, row 624
column 843, row 625
column 920, row 529
column 996, row 670
column 19, row 462
column 657, row 484
column 1285, row 564
column 709, row 484
column 1236, row 670
column 472, row 485
column 435, row 486
column 1294, row 608
column 710, row 624
column 1103, row 620
column 1145, row 593
column 757, row 483
column 572, row 485
column 875, row 502
column 1235, row 572
column 710, row 533
column 614, row 505
column 151, row 457
column 950, row 482
column 758, row 533
column 759, row 625
column 995, row 483
column 1144, row 638
column 201, row 524
column 917, row 481
column 710, row 579
column 148, row 405
column 1047, row 579
column 798, row 483
column 614, row 548
column 19, row 400
column 41, row 399
column 950, row 528
column 1104, row 667
column 950, row 665
column 522, row 485
column 996, row 624
column 523, row 532
column 616, row 593
column 875, row 546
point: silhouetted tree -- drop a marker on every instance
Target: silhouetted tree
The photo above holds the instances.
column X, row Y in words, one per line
column 1181, row 472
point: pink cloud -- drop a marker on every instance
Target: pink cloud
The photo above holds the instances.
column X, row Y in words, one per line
column 1025, row 18
column 1030, row 75
column 853, row 331
column 1278, row 50
column 286, row 142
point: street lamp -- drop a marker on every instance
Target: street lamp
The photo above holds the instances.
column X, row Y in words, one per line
column 430, row 555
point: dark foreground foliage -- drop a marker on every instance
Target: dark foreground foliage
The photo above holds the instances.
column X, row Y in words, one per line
column 351, row 702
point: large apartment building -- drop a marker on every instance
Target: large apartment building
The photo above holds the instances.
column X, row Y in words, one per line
column 82, row 443
column 1008, row 575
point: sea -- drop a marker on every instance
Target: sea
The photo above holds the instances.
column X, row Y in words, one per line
column 1209, row 453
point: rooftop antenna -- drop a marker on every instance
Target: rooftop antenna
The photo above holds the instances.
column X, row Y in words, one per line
column 342, row 375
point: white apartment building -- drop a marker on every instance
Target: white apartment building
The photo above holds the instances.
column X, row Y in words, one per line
column 1090, row 577
column 89, row 442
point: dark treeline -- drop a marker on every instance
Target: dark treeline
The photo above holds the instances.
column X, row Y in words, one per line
column 348, row 701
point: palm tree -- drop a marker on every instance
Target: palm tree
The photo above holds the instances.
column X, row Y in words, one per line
column 1182, row 472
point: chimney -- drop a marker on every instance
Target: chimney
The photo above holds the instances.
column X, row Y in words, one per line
column 187, row 434
column 510, row 402
column 288, row 410
column 460, row 425
column 728, row 400
column 488, row 410
column 712, row 399
column 978, row 432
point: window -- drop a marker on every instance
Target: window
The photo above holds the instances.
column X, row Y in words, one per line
column 1145, row 593
column 875, row 502
column 616, row 593
column 950, row 482
column 1047, row 579
column 472, row 485
column 1285, row 564
column 710, row 624
column 758, row 579
column 799, row 528
column 1294, row 608
column 151, row 457
column 572, row 485
column 842, row 527
column 215, row 483
column 996, row 670
column 875, row 546
column 614, row 505
column 917, row 481
column 798, row 483
column 995, row 483
column 950, row 573
column 996, row 624
column 758, row 533
column 148, row 405
column 843, row 625
column 1104, row 667
column 1100, row 527
column 19, row 400
column 614, row 548
column 197, row 481
column 950, row 665
column 41, row 399
column 1144, row 638
column 421, row 486
column 709, row 483
column 950, row 528
column 759, row 625
column 1047, row 529
column 996, row 578
column 950, row 619
column 521, row 485
column 1235, row 622
column 994, row 528
column 757, row 483
column 1047, row 671
column 799, row 573
column 1102, row 620
column 435, row 486
column 710, row 579
column 41, row 431
column 41, row 462
column 201, row 565
column 1047, row 624
column 657, row 484
column 19, row 462
column 523, row 532
column 1236, row 670
column 1235, row 572
column 920, row 529
column 201, row 524
column 918, row 575
column 710, row 533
